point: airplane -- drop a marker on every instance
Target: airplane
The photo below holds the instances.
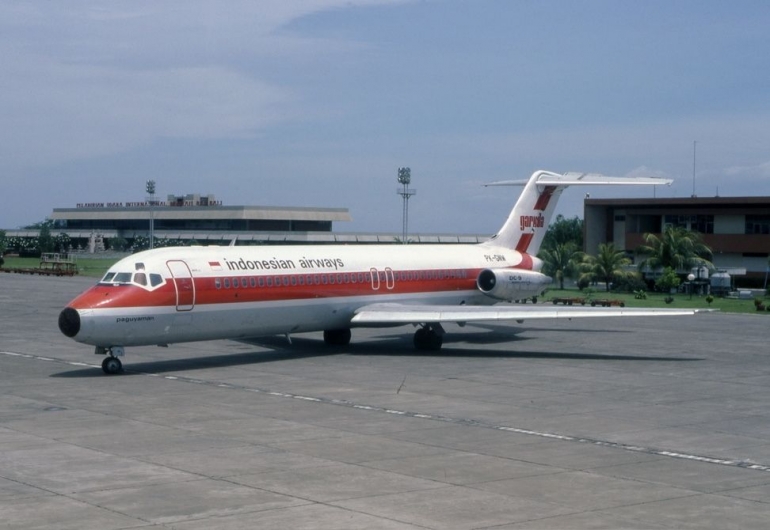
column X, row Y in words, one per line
column 184, row 294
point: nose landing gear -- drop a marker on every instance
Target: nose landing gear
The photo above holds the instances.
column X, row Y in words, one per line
column 111, row 364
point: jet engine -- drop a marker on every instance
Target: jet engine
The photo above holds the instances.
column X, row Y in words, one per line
column 511, row 284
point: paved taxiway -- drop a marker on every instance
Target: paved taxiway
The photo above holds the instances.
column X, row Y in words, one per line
column 624, row 423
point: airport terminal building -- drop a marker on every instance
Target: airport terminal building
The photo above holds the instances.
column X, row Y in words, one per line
column 205, row 220
column 196, row 217
column 737, row 229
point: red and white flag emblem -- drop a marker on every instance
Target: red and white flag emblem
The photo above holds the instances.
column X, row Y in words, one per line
column 215, row 265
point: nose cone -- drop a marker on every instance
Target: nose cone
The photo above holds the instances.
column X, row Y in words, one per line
column 69, row 322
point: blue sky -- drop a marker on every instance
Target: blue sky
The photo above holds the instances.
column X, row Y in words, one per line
column 319, row 102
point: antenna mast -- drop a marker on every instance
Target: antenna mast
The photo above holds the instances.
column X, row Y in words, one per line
column 694, row 146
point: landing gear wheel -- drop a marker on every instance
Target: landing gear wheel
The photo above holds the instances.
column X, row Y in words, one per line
column 112, row 365
column 426, row 339
column 337, row 337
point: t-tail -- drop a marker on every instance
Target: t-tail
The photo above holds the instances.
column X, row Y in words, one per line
column 526, row 225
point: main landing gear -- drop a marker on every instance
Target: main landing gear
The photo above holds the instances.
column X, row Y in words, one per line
column 429, row 337
column 111, row 364
column 337, row 337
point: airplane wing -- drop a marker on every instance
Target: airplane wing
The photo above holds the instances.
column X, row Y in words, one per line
column 378, row 314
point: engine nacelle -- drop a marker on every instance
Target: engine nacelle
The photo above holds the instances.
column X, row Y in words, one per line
column 511, row 284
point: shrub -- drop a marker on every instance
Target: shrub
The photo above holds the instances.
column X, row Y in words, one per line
column 641, row 294
column 668, row 280
column 668, row 299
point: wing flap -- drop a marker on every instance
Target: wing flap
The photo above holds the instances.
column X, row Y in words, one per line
column 417, row 314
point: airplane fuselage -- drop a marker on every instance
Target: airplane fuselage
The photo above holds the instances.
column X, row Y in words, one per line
column 183, row 294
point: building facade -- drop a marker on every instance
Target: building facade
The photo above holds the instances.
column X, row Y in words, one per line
column 737, row 229
column 195, row 217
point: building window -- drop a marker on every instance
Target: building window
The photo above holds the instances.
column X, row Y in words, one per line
column 758, row 224
column 697, row 223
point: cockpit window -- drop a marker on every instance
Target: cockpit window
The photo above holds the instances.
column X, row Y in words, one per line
column 141, row 278
column 122, row 277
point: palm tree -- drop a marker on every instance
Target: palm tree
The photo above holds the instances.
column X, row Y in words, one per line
column 560, row 261
column 677, row 248
column 608, row 264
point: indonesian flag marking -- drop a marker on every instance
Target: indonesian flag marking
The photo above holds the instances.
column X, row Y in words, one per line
column 215, row 265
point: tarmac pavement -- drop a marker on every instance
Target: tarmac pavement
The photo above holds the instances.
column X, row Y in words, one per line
column 594, row 423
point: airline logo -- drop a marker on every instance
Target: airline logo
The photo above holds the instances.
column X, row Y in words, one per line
column 532, row 221
column 215, row 265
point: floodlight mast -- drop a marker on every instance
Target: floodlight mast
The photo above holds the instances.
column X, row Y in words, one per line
column 150, row 187
column 404, row 178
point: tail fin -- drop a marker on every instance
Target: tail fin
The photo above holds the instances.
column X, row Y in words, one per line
column 526, row 225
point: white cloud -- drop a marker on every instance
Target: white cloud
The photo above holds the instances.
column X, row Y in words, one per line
column 86, row 79
column 758, row 171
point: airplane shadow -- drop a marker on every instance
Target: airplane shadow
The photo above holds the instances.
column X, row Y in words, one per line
column 456, row 344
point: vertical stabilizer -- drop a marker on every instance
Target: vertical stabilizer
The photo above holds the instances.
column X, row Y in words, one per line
column 526, row 225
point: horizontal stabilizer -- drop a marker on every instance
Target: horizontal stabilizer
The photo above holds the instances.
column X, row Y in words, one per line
column 585, row 179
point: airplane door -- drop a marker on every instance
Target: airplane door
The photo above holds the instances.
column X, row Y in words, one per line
column 183, row 283
column 375, row 279
column 390, row 278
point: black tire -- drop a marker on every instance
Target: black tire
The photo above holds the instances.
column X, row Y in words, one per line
column 337, row 337
column 427, row 340
column 112, row 366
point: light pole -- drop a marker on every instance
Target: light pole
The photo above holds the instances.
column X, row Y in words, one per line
column 691, row 278
column 404, row 178
column 151, row 192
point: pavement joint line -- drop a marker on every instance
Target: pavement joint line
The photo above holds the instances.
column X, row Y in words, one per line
column 434, row 417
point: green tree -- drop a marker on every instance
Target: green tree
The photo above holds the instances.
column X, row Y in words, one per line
column 3, row 242
column 677, row 248
column 45, row 240
column 608, row 264
column 118, row 244
column 561, row 261
column 562, row 231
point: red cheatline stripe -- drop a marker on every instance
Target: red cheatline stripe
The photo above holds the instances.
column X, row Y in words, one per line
column 212, row 289
column 526, row 262
column 544, row 198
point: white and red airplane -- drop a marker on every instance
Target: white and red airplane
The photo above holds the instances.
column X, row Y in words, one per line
column 184, row 294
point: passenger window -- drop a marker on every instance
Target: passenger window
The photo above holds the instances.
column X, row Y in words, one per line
column 331, row 279
column 294, row 280
column 261, row 282
column 227, row 283
column 286, row 280
column 217, row 283
column 253, row 282
column 269, row 281
column 235, row 283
